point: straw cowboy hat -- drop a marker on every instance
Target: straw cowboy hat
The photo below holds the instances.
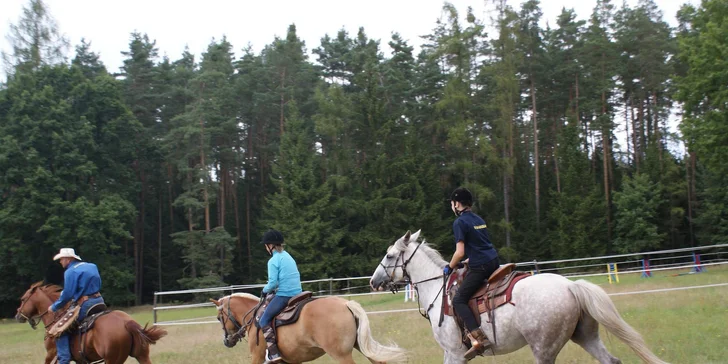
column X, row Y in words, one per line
column 67, row 253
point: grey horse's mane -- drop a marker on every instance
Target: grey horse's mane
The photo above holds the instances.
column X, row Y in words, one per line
column 431, row 252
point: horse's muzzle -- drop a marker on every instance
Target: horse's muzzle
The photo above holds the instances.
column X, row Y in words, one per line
column 377, row 284
column 20, row 318
column 229, row 341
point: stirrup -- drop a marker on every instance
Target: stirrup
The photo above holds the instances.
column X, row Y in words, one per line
column 269, row 360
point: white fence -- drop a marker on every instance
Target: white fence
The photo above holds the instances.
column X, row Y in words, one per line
column 694, row 262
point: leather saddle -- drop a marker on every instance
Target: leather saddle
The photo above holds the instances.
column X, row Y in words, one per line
column 292, row 311
column 493, row 293
column 93, row 313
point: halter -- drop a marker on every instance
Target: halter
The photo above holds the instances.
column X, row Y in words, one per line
column 406, row 275
column 33, row 322
column 241, row 329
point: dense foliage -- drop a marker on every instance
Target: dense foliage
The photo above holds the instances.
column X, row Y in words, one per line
column 167, row 173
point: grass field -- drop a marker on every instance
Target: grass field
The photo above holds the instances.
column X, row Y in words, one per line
column 689, row 326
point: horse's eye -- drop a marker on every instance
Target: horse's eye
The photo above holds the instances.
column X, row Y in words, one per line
column 389, row 256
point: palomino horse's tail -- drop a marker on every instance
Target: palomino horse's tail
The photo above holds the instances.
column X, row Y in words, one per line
column 142, row 337
column 370, row 347
column 594, row 301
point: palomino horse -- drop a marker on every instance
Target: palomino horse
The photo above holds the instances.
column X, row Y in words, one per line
column 114, row 337
column 326, row 325
column 549, row 310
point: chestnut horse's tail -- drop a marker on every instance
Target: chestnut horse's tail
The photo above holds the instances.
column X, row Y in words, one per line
column 142, row 337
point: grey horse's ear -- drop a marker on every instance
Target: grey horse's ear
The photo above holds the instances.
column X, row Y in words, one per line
column 406, row 237
column 415, row 236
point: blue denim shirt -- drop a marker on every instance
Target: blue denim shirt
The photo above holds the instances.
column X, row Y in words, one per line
column 80, row 279
column 283, row 274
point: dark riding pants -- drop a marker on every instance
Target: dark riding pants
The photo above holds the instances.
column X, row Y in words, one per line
column 474, row 280
column 63, row 342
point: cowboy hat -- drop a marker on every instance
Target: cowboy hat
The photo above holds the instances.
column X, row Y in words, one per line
column 67, row 253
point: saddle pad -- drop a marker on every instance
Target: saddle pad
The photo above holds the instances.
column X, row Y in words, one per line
column 65, row 322
column 291, row 314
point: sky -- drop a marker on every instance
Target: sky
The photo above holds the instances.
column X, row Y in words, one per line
column 108, row 24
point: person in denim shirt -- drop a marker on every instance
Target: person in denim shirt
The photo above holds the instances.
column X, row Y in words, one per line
column 81, row 279
column 283, row 279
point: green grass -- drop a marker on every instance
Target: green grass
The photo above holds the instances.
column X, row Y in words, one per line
column 686, row 326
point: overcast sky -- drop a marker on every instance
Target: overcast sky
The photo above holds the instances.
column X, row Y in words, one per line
column 174, row 24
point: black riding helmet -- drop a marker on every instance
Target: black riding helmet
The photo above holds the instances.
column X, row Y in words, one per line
column 273, row 237
column 462, row 195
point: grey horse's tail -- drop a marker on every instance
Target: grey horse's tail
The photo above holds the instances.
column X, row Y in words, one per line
column 594, row 301
column 367, row 345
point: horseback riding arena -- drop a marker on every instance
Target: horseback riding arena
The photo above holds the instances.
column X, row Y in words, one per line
column 677, row 299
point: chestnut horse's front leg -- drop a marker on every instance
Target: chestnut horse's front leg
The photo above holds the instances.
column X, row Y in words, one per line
column 50, row 346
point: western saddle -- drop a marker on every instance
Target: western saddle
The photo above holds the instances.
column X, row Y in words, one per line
column 494, row 292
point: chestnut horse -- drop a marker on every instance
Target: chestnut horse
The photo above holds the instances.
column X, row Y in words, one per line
column 114, row 337
column 328, row 325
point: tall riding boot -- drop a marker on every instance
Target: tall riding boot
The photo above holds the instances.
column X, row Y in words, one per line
column 271, row 354
column 478, row 343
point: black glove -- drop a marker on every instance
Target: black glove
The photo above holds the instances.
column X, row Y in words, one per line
column 461, row 265
column 263, row 294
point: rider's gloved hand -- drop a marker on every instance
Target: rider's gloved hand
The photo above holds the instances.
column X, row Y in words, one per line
column 447, row 270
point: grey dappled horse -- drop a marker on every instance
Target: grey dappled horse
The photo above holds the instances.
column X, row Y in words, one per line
column 549, row 310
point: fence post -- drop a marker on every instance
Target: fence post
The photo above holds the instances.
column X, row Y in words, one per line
column 154, row 308
column 698, row 267
column 613, row 273
column 348, row 288
column 331, row 286
column 646, row 268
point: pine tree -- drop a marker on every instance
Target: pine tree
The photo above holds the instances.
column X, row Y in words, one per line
column 35, row 40
column 301, row 206
column 636, row 212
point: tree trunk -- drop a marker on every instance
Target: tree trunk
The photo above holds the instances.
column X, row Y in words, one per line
column 171, row 200
column 247, row 231
column 159, row 243
column 223, row 193
column 605, row 164
column 139, row 248
column 626, row 124
column 641, row 132
column 283, row 98
column 557, row 130
column 236, row 206
column 635, row 148
column 506, row 200
column 537, row 161
column 658, row 135
column 203, row 166
column 690, row 174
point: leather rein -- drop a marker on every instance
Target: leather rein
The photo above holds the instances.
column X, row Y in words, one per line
column 33, row 322
column 239, row 334
column 406, row 275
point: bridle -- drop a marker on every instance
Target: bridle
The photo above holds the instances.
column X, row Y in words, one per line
column 406, row 275
column 240, row 329
column 33, row 322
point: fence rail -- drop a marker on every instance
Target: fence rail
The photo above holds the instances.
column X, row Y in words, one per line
column 348, row 291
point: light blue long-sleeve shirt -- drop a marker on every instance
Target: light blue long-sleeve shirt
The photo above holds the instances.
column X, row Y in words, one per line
column 283, row 274
column 80, row 279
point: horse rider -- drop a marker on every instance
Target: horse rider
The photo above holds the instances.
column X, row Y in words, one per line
column 472, row 241
column 285, row 280
column 82, row 283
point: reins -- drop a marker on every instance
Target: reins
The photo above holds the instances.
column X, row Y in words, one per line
column 33, row 322
column 393, row 288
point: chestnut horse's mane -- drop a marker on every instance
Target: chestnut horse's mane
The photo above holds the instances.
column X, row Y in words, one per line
column 47, row 287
